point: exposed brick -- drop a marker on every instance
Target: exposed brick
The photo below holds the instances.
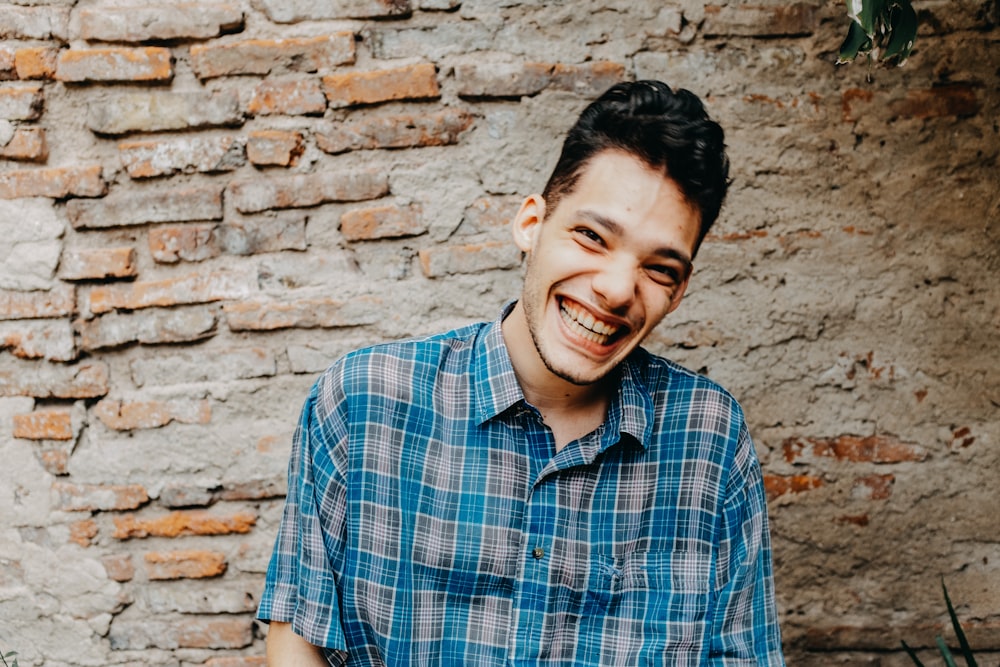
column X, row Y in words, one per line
column 192, row 288
column 200, row 20
column 185, row 495
column 36, row 62
column 291, row 98
column 874, row 487
column 27, row 145
column 151, row 63
column 191, row 522
column 190, row 242
column 756, row 20
column 21, row 102
column 59, row 301
column 149, row 327
column 130, row 415
column 489, row 214
column 301, row 190
column 852, row 98
column 45, row 339
column 469, row 258
column 441, row 128
column 275, row 231
column 275, row 148
column 130, row 207
column 301, row 313
column 164, row 111
column 265, row 56
column 382, row 222
column 165, row 157
column 294, row 11
column 55, row 460
column 97, row 263
column 8, row 70
column 951, row 100
column 45, row 380
column 778, row 485
column 83, row 532
column 521, row 79
column 187, row 564
column 44, row 425
column 33, row 22
column 57, row 182
column 198, row 632
column 98, row 497
column 260, row 489
column 856, row 449
column 252, row 362
column 411, row 82
column 119, row 567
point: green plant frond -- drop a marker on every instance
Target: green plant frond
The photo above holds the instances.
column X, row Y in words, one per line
column 856, row 42
column 913, row 656
column 949, row 659
column 962, row 641
column 902, row 31
column 871, row 11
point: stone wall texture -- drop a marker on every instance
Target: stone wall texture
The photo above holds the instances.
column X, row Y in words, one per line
column 203, row 204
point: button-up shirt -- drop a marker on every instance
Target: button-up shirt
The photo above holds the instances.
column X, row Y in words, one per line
column 431, row 521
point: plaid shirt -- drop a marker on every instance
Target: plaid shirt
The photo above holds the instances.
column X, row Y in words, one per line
column 429, row 520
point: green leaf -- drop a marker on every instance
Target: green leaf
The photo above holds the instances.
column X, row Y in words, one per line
column 871, row 10
column 855, row 42
column 949, row 659
column 902, row 31
column 913, row 656
column 962, row 641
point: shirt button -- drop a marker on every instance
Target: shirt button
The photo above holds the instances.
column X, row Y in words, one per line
column 537, row 553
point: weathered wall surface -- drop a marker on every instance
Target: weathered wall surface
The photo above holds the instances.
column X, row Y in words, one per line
column 202, row 205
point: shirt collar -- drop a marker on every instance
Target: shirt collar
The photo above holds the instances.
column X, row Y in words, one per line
column 497, row 388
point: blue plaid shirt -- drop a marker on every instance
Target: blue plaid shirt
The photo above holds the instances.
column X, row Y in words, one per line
column 429, row 520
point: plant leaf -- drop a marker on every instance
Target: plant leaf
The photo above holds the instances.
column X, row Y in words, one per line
column 913, row 656
column 855, row 42
column 871, row 10
column 949, row 659
column 902, row 31
column 962, row 641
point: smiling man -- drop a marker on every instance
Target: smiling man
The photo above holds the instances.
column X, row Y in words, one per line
column 540, row 490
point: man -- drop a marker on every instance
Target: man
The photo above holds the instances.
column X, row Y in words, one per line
column 540, row 490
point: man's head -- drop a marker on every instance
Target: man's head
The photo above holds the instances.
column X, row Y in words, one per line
column 667, row 130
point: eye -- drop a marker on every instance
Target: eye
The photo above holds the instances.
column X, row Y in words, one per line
column 589, row 236
column 665, row 274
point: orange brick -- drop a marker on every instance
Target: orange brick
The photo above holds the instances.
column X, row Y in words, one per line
column 411, row 82
column 469, row 258
column 190, row 242
column 192, row 288
column 855, row 449
column 381, row 222
column 289, row 98
column 54, row 461
column 237, row 661
column 162, row 565
column 97, row 264
column 98, row 497
column 756, row 20
column 164, row 157
column 119, row 567
column 83, row 532
column 259, row 489
column 521, row 79
column 302, row 313
column 22, row 102
column 235, row 632
column 27, row 145
column 151, row 63
column 7, row 70
column 275, row 148
column 44, row 425
column 874, row 487
column 951, row 100
column 776, row 485
column 36, row 63
column 395, row 131
column 175, row 524
column 57, row 183
column 302, row 190
column 131, row 415
column 59, row 301
column 262, row 56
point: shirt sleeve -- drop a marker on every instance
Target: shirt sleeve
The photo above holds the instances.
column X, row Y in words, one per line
column 744, row 621
column 300, row 587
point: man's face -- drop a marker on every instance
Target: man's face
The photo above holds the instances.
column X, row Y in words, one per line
column 605, row 266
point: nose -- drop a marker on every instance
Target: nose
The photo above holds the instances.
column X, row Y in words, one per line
column 616, row 284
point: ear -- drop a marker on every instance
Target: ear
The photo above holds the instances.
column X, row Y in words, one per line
column 527, row 222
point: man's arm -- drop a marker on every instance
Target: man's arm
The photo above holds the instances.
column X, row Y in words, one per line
column 287, row 649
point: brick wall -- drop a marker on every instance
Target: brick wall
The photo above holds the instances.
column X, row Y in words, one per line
column 203, row 204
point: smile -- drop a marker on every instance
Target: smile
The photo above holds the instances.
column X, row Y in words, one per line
column 585, row 325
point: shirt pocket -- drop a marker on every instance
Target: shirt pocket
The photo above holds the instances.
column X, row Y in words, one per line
column 656, row 601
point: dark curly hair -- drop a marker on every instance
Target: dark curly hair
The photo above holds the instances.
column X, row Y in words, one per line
column 666, row 129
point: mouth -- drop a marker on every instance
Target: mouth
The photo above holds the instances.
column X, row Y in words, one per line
column 586, row 325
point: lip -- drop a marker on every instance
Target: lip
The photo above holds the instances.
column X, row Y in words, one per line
column 595, row 348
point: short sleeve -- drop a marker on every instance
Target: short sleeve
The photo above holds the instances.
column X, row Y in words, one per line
column 745, row 629
column 300, row 587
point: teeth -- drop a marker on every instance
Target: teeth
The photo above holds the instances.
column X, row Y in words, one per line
column 584, row 324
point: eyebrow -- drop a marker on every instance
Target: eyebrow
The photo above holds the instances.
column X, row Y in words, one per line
column 614, row 227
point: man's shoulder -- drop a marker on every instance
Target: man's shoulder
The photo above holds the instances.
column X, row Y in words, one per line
column 665, row 376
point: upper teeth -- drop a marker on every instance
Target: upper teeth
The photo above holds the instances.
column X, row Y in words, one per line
column 587, row 325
